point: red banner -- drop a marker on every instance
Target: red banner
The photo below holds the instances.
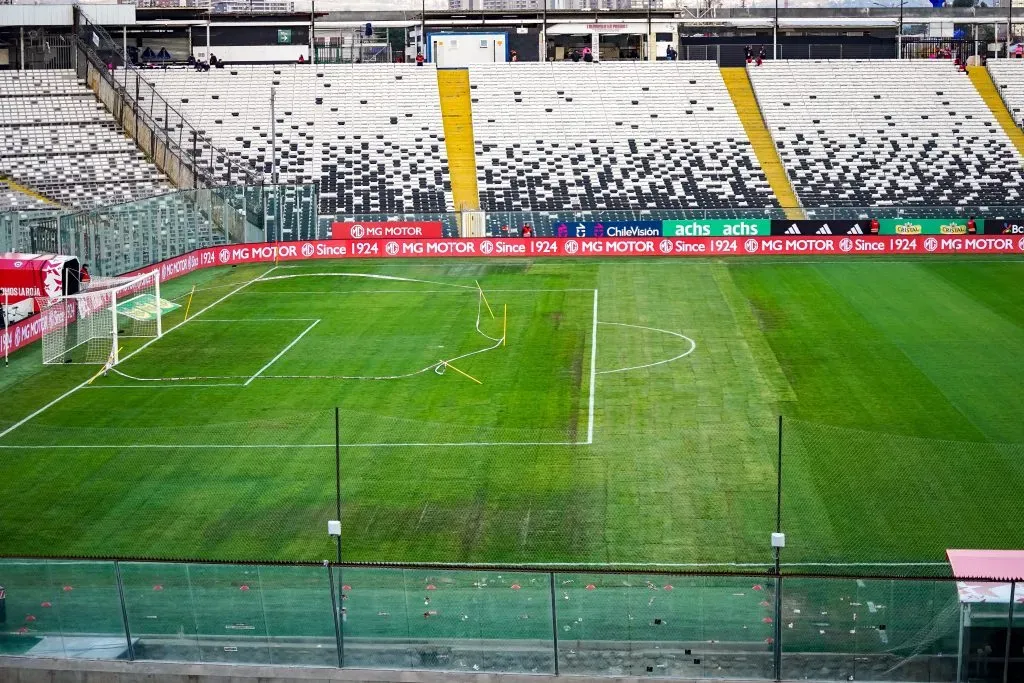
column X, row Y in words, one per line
column 23, row 276
column 32, row 329
column 400, row 230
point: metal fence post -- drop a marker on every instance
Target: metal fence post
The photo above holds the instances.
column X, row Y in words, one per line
column 1009, row 624
column 338, row 637
column 124, row 611
column 554, row 619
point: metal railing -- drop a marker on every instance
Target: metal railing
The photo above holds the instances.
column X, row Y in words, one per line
column 181, row 150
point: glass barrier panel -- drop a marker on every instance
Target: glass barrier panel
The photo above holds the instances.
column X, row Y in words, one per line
column 449, row 620
column 985, row 616
column 61, row 609
column 230, row 613
column 664, row 626
column 299, row 621
column 161, row 611
column 869, row 629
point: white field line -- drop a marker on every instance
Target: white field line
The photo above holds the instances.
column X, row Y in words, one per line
column 693, row 346
column 166, row 446
column 63, row 396
column 161, row 386
column 258, row 320
column 593, row 374
column 700, row 565
column 281, row 353
column 409, row 291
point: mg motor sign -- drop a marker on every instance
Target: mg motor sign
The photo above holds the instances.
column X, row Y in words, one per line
column 409, row 230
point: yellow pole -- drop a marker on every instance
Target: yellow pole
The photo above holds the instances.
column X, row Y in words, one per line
column 485, row 298
column 504, row 326
column 189, row 305
column 449, row 365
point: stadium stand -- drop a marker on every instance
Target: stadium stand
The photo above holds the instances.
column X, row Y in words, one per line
column 370, row 135
column 886, row 133
column 58, row 140
column 1008, row 75
column 13, row 200
column 611, row 136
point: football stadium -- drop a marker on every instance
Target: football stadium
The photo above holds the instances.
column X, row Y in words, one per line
column 653, row 343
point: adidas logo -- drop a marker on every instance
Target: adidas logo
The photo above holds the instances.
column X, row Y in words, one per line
column 855, row 230
column 793, row 230
column 823, row 230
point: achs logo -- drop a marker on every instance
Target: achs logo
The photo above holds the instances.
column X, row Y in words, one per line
column 750, row 245
column 908, row 229
column 357, row 232
column 846, row 244
column 931, row 244
column 571, row 246
column 665, row 246
column 391, row 248
column 486, row 248
column 307, row 250
column 224, row 256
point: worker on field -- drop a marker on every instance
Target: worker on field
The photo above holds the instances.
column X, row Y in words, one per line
column 873, row 229
column 527, row 230
column 972, row 227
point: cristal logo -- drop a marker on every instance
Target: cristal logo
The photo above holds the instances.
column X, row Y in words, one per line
column 307, row 250
column 357, row 232
column 750, row 246
column 224, row 256
column 931, row 244
column 486, row 248
column 665, row 246
column 846, row 244
column 571, row 246
column 391, row 248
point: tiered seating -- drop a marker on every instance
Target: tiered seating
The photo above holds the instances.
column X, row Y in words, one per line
column 1008, row 75
column 886, row 133
column 56, row 138
column 370, row 135
column 12, row 200
column 611, row 136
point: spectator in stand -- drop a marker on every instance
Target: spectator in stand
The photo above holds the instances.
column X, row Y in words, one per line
column 527, row 230
column 588, row 56
column 574, row 55
column 515, row 56
column 671, row 54
column 213, row 60
column 504, row 231
column 302, row 59
column 1020, row 51
column 420, row 58
column 748, row 54
column 760, row 56
column 191, row 61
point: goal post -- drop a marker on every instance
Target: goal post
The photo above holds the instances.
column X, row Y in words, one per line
column 89, row 327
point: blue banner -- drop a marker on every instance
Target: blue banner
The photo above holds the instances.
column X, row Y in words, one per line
column 608, row 229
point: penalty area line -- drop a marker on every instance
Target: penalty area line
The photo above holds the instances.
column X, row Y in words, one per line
column 418, row 444
column 281, row 353
column 63, row 396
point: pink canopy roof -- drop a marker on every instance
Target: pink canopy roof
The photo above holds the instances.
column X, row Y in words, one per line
column 1005, row 565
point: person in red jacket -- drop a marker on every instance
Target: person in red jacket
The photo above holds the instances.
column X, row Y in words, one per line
column 873, row 229
column 420, row 59
column 972, row 227
column 527, row 230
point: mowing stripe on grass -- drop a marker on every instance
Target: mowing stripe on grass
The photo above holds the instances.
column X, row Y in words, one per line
column 283, row 351
column 63, row 396
column 424, row 444
column 593, row 373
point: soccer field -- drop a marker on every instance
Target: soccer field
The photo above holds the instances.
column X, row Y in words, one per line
column 609, row 412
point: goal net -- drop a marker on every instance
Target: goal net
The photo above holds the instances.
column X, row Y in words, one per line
column 88, row 327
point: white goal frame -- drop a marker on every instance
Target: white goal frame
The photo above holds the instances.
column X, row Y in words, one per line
column 94, row 315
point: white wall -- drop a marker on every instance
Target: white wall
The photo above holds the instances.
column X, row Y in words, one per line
column 463, row 49
column 253, row 53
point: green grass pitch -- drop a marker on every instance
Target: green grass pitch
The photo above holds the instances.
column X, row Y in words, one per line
column 630, row 417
